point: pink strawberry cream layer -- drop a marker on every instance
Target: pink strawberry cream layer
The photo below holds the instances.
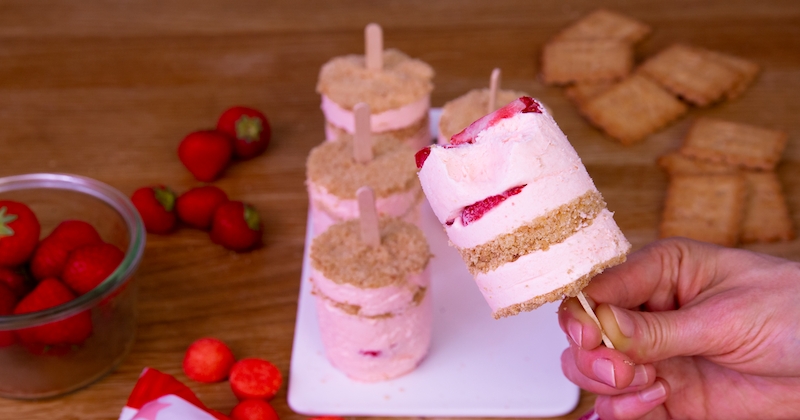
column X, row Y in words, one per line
column 392, row 119
column 389, row 299
column 372, row 349
column 541, row 272
column 525, row 149
column 327, row 208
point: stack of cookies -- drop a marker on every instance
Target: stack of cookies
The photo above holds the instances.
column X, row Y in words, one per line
column 723, row 186
column 594, row 59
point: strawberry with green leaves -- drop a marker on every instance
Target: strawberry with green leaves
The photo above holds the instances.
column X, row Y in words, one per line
column 250, row 129
column 19, row 233
column 236, row 226
column 156, row 205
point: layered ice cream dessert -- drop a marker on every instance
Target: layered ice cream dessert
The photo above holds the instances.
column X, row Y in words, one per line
column 518, row 204
column 462, row 111
column 373, row 302
column 398, row 95
column 333, row 176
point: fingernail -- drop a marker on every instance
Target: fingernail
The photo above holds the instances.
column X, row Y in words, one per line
column 624, row 321
column 639, row 376
column 655, row 392
column 575, row 330
column 604, row 369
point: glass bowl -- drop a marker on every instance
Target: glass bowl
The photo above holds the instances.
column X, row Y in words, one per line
column 28, row 372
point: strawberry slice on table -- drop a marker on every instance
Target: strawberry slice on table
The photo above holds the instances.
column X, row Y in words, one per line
column 14, row 280
column 87, row 266
column 71, row 331
column 206, row 153
column 196, row 207
column 250, row 129
column 208, row 360
column 51, row 255
column 8, row 300
column 254, row 378
column 253, row 410
column 156, row 205
column 19, row 233
column 236, row 226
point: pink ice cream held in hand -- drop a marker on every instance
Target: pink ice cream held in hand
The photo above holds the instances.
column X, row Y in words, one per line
column 516, row 201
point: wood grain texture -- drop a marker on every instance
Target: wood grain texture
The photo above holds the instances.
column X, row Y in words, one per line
column 107, row 89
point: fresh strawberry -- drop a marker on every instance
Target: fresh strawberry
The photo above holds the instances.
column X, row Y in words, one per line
column 236, row 226
column 76, row 231
column 208, row 360
column 50, row 256
column 196, row 207
column 206, row 153
column 255, row 379
column 249, row 128
column 156, row 205
column 327, row 418
column 66, row 332
column 475, row 211
column 8, row 300
column 14, row 280
column 253, row 410
column 19, row 233
column 88, row 265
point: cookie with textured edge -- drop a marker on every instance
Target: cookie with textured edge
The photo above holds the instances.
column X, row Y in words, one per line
column 605, row 24
column 632, row 109
column 707, row 208
column 678, row 164
column 766, row 215
column 747, row 70
column 691, row 74
column 580, row 93
column 734, row 143
column 588, row 60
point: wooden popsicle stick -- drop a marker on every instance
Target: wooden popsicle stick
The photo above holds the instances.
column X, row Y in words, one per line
column 373, row 46
column 494, row 84
column 588, row 309
column 368, row 217
column 362, row 138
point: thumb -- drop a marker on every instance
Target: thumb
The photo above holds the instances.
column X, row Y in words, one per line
column 649, row 337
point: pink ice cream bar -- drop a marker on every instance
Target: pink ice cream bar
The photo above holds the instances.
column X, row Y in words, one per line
column 518, row 204
column 333, row 177
column 398, row 95
column 373, row 303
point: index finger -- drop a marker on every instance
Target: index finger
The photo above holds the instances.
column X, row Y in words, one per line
column 661, row 275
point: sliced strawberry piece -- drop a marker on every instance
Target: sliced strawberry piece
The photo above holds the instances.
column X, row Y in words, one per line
column 196, row 207
column 421, row 156
column 66, row 332
column 253, row 410
column 208, row 360
column 522, row 105
column 255, row 379
column 19, row 233
column 475, row 211
column 88, row 265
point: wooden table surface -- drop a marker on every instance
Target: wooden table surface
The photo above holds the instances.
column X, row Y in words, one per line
column 107, row 89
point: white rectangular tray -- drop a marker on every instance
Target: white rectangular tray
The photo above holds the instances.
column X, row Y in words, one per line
column 477, row 366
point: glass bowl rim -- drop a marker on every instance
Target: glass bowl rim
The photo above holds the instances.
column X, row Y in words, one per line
column 133, row 256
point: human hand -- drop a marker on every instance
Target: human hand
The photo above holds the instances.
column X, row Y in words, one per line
column 700, row 332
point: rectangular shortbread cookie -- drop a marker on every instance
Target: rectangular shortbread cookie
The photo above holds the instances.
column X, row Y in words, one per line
column 738, row 144
column 766, row 215
column 605, row 24
column 566, row 62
